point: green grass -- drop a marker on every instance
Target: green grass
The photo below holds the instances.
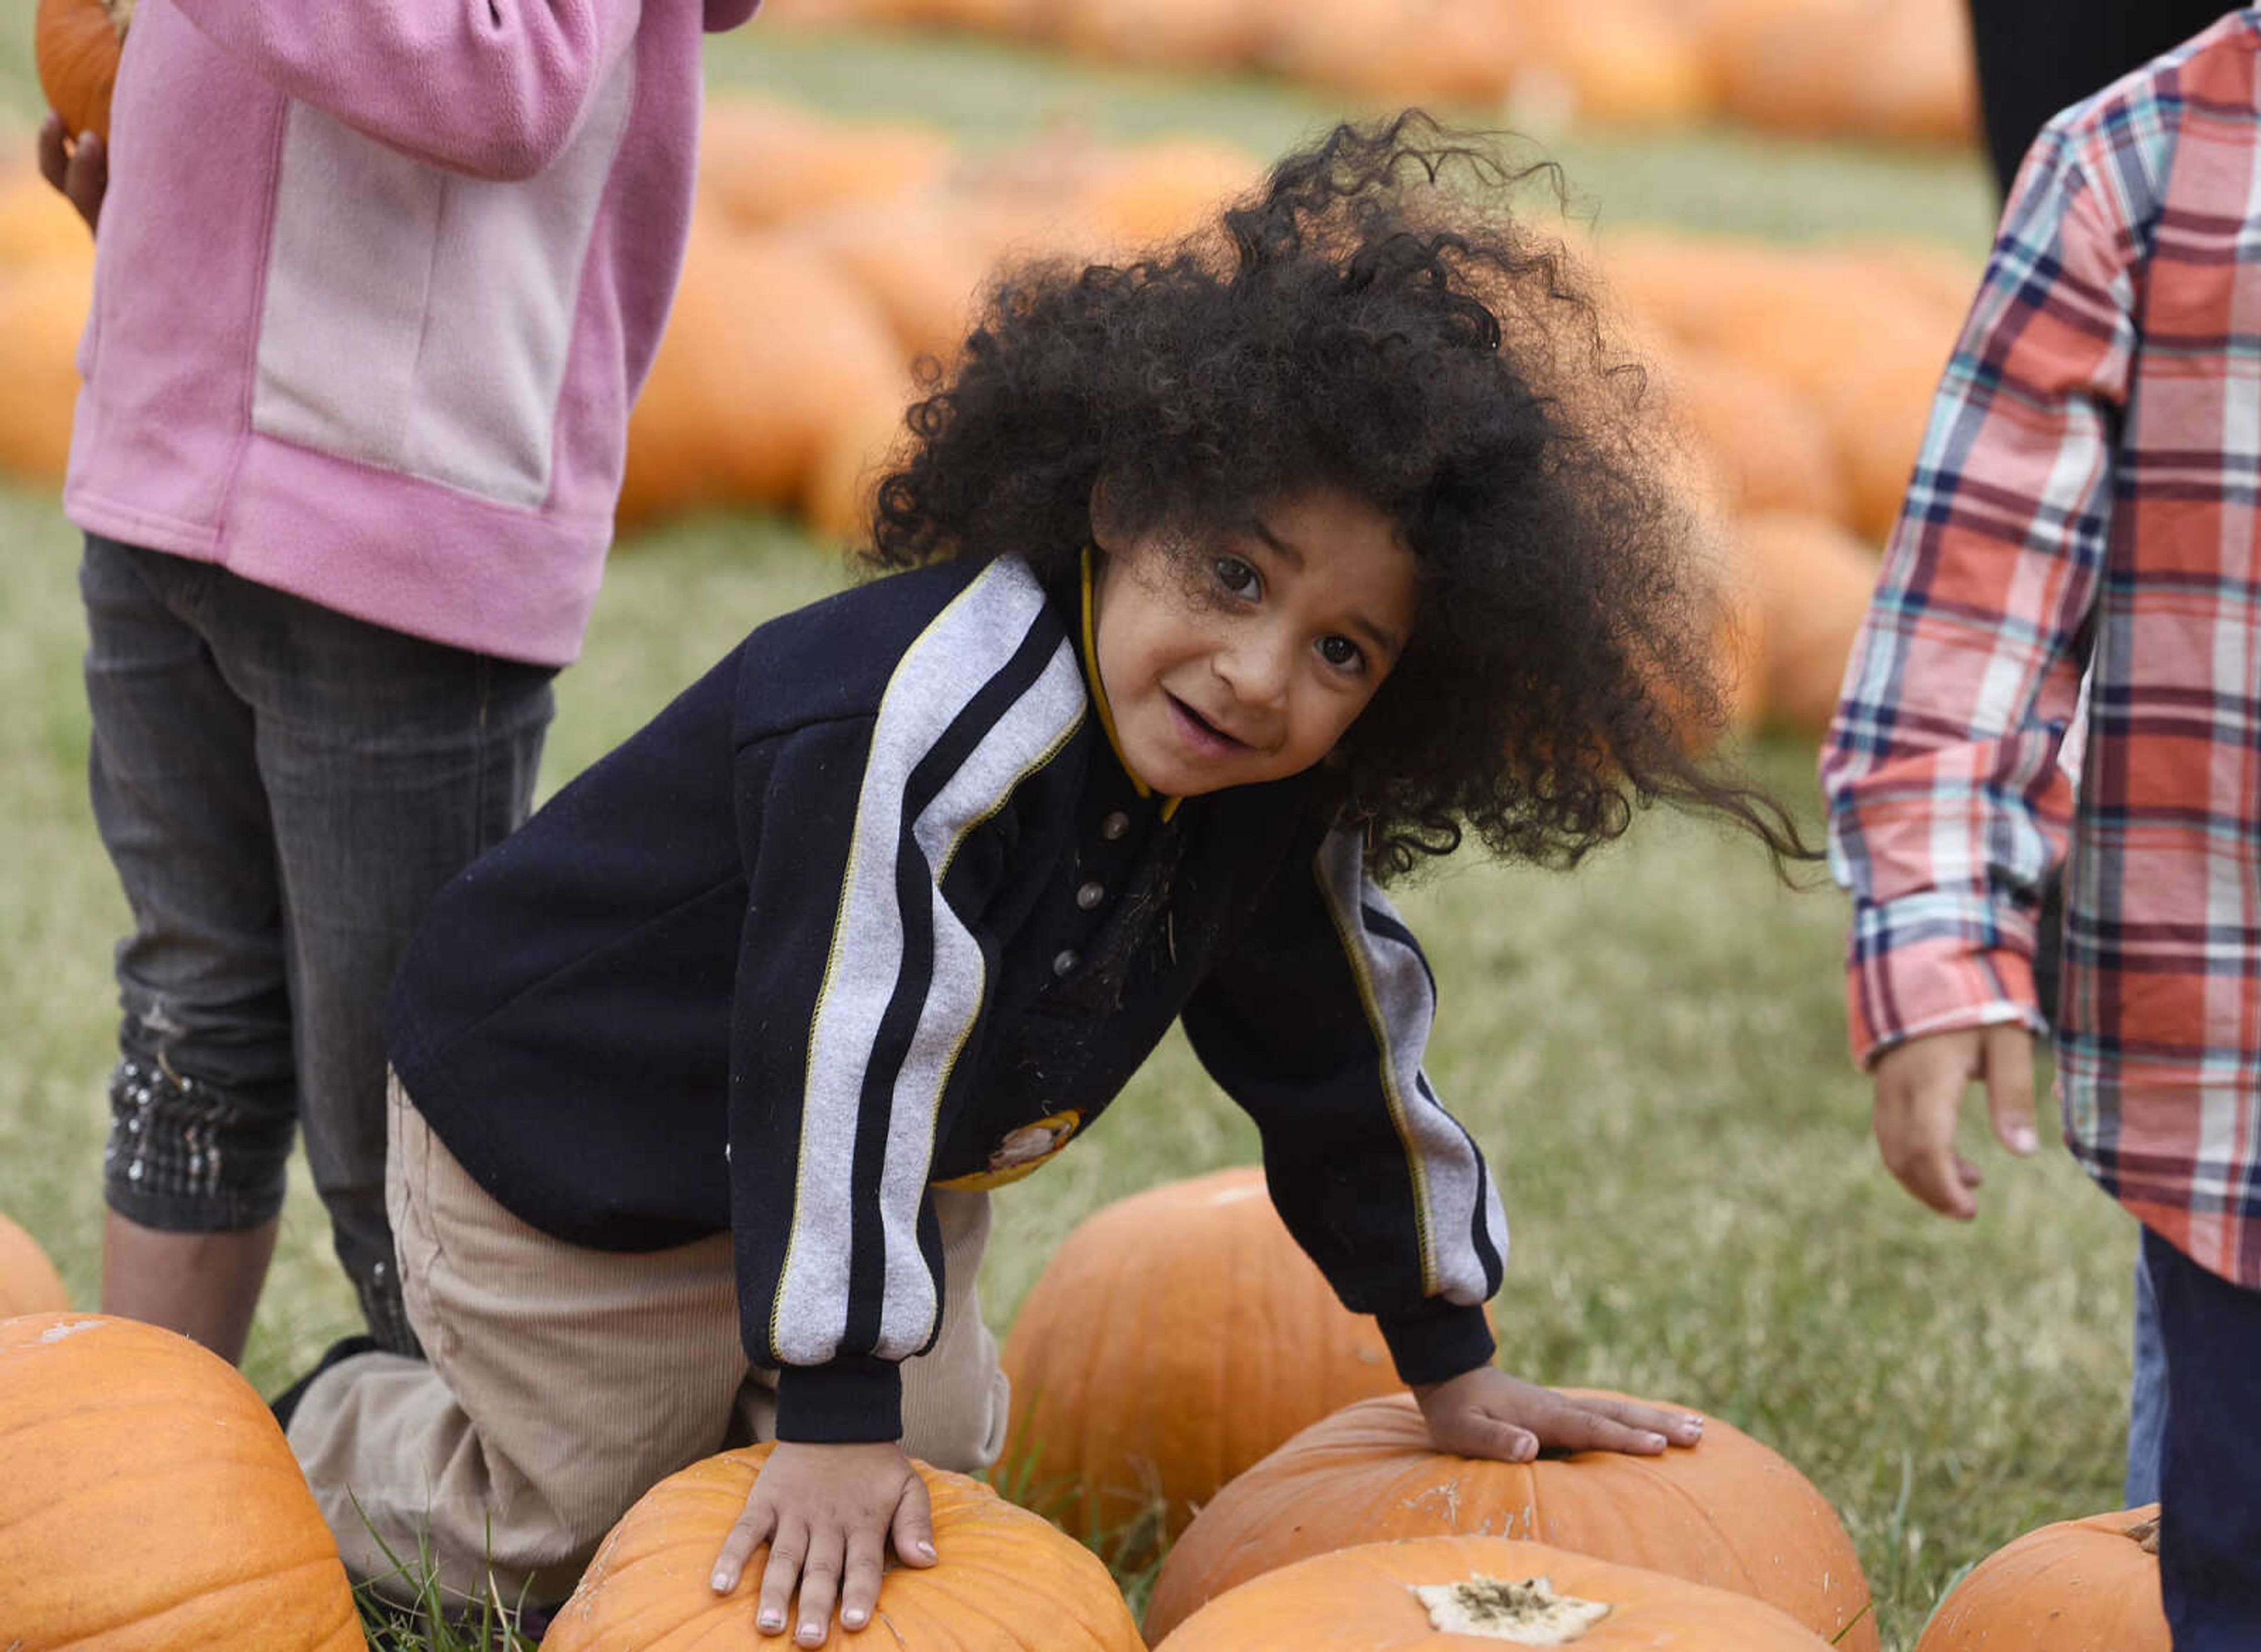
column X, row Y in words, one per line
column 1651, row 1050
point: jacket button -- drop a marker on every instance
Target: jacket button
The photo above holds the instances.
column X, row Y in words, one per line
column 1115, row 825
column 1063, row 962
column 1090, row 895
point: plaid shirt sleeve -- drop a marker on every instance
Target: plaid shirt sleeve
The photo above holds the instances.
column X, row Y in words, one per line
column 1947, row 807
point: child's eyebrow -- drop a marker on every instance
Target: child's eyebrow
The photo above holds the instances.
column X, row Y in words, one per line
column 1387, row 641
column 1280, row 548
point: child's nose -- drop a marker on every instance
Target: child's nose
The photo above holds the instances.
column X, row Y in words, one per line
column 1256, row 669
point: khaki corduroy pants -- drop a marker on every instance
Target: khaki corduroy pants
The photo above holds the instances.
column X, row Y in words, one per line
column 562, row 1382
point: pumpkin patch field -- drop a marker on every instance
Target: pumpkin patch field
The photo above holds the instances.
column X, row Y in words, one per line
column 1650, row 1050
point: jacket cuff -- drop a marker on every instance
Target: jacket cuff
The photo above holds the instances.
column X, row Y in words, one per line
column 1436, row 1341
column 846, row 1403
column 1914, row 990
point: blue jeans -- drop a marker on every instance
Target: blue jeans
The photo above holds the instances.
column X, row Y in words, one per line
column 2147, row 1396
column 282, row 789
column 2210, row 1508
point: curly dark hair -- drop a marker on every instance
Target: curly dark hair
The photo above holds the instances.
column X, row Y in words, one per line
column 1371, row 318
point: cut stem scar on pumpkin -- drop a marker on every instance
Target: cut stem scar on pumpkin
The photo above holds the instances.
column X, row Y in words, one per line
column 1528, row 1613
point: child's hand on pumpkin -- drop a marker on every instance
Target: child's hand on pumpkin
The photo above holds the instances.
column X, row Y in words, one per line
column 827, row 1513
column 1487, row 1414
column 80, row 170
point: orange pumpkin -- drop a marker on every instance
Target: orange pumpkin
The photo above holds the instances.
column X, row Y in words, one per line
column 1474, row 1594
column 1175, row 1337
column 28, row 1280
column 1814, row 581
column 869, row 435
column 1005, row 1582
column 37, row 222
column 766, row 351
column 1772, row 450
column 2088, row 1585
column 150, row 1501
column 76, row 45
column 765, row 163
column 923, row 261
column 1160, row 192
column 1407, row 51
column 1626, row 63
column 1180, row 33
column 43, row 307
column 1728, row 1513
column 1899, row 70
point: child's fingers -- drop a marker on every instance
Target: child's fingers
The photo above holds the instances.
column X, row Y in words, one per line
column 751, row 1532
column 1474, row 1434
column 1682, row 1428
column 788, row 1544
column 913, row 1527
column 859, row 1582
column 820, row 1583
column 1919, row 1091
column 2009, row 1057
column 54, row 150
column 1580, row 1428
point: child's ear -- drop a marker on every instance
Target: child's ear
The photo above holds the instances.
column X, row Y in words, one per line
column 1103, row 525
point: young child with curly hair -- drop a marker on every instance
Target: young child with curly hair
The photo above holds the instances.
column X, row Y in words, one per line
column 1223, row 585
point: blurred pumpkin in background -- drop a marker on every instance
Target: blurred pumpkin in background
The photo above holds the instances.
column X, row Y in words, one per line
column 76, row 44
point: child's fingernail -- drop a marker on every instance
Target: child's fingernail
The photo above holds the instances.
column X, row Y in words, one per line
column 1648, row 1438
column 1692, row 1424
column 772, row 1622
column 811, row 1633
column 2025, row 1139
column 853, row 1617
column 925, row 1549
column 719, row 1582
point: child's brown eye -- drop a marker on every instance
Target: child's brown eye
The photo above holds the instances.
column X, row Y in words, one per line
column 1340, row 650
column 1235, row 576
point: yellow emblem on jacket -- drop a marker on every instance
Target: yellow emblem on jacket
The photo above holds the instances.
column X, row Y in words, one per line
column 1020, row 1152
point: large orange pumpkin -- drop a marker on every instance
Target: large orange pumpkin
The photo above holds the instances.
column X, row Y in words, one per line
column 1814, row 581
column 766, row 163
column 1363, row 1600
column 1176, row 1336
column 1768, row 441
column 2088, row 1585
column 150, row 1502
column 1729, row 1513
column 923, row 261
column 28, row 1280
column 1005, row 1582
column 43, row 305
column 768, row 349
column 76, row 44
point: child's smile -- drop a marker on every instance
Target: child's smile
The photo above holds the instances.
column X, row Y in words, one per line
column 1244, row 658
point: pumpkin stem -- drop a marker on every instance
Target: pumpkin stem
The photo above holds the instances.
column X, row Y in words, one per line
column 1529, row 1613
column 2146, row 1533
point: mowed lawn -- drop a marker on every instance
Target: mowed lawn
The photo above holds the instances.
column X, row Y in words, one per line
column 1650, row 1049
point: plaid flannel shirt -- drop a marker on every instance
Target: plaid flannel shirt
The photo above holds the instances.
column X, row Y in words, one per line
column 2088, row 496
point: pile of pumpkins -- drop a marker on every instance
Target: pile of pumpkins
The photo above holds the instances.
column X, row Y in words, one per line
column 1179, row 1354
column 1889, row 70
column 826, row 256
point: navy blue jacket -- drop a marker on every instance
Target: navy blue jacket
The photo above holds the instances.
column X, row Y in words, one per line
column 874, row 907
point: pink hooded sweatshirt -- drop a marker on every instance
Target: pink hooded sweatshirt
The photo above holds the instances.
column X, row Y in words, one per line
column 377, row 282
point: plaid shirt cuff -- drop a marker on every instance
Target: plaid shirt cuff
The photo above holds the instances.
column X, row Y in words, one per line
column 1934, row 982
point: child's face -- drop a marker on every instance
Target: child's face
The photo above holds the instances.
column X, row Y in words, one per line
column 1244, row 659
